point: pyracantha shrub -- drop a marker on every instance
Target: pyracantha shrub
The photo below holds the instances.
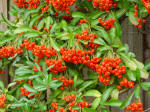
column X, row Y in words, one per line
column 60, row 53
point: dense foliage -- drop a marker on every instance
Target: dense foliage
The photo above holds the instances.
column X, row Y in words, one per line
column 60, row 53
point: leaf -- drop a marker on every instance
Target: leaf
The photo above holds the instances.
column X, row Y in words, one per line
column 126, row 102
column 85, row 85
column 131, row 75
column 7, row 21
column 147, row 66
column 34, row 19
column 95, row 14
column 94, row 93
column 48, row 21
column 106, row 94
column 79, row 15
column 138, row 75
column 96, row 102
column 41, row 24
column 11, row 84
column 10, row 98
column 120, row 12
column 145, row 84
column 133, row 19
column 29, row 88
column 137, row 92
column 88, row 110
column 2, row 85
column 54, row 44
column 112, row 34
column 103, row 33
column 55, row 84
column 22, row 29
column 99, row 41
column 6, row 39
column 114, row 103
column 144, row 74
column 115, row 94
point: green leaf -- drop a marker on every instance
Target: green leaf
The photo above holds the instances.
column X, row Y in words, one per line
column 138, row 75
column 48, row 21
column 34, row 19
column 112, row 34
column 93, row 92
column 131, row 75
column 145, row 84
column 147, row 66
column 6, row 39
column 29, row 88
column 144, row 74
column 114, row 103
column 95, row 14
column 85, row 85
column 41, row 24
column 79, row 15
column 133, row 19
column 103, row 33
column 115, row 94
column 126, row 102
column 10, row 98
column 96, row 102
column 7, row 21
column 137, row 92
column 22, row 29
column 99, row 41
column 2, row 85
column 54, row 44
column 88, row 110
column 11, row 84
column 55, row 84
column 106, row 94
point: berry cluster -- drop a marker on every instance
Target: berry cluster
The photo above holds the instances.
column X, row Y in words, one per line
column 108, row 24
column 33, row 3
column 83, row 21
column 80, row 57
column 136, row 10
column 125, row 83
column 50, row 111
column 54, row 105
column 44, row 9
column 21, row 3
column 135, row 107
column 85, row 35
column 69, row 98
column 58, row 66
column 140, row 21
column 146, row 4
column 49, row 29
column 91, row 45
column 2, row 101
column 67, row 18
column 66, row 82
column 63, row 5
column 79, row 104
column 36, row 70
column 61, row 110
column 108, row 67
column 104, row 5
column 24, row 92
column 39, row 51
column 2, row 71
column 9, row 51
